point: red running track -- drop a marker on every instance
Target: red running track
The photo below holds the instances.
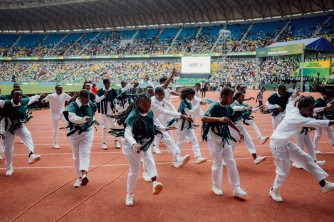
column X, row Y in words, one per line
column 44, row 191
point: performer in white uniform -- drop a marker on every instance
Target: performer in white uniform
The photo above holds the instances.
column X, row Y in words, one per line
column 283, row 150
column 216, row 131
column 162, row 115
column 80, row 116
column 57, row 105
column 105, row 99
column 15, row 114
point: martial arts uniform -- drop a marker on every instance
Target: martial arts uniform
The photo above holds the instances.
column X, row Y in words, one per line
column 283, row 150
column 324, row 115
column 12, row 124
column 219, row 139
column 195, row 102
column 186, row 128
column 241, row 115
column 303, row 138
column 139, row 129
column 162, row 115
column 276, row 101
column 125, row 97
column 106, row 106
column 57, row 106
column 80, row 134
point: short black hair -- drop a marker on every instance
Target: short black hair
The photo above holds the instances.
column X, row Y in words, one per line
column 226, row 91
column 83, row 93
column 198, row 84
column 58, row 85
column 240, row 87
column 142, row 97
column 281, row 87
column 163, row 79
column 305, row 101
column 185, row 92
column 14, row 90
column 237, row 95
column 105, row 81
column 159, row 89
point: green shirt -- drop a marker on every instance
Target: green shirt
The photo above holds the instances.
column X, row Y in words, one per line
column 143, row 127
column 81, row 111
column 219, row 128
column 185, row 105
column 242, row 114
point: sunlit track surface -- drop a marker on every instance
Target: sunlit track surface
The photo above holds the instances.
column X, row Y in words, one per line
column 186, row 196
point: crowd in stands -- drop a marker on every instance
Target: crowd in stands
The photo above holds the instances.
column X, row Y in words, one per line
column 79, row 71
column 244, row 37
column 233, row 71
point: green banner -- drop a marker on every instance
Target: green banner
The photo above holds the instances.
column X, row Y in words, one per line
column 293, row 49
column 313, row 68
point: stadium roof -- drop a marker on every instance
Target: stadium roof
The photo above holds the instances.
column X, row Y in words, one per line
column 310, row 44
column 44, row 15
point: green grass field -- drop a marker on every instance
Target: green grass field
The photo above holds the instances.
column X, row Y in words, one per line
column 39, row 89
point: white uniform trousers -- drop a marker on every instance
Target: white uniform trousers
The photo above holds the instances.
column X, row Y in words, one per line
column 25, row 136
column 55, row 125
column 81, row 146
column 318, row 133
column 277, row 119
column 134, row 164
column 2, row 146
column 181, row 136
column 247, row 138
column 254, row 128
column 283, row 155
column 218, row 152
column 105, row 122
column 169, row 142
column 306, row 140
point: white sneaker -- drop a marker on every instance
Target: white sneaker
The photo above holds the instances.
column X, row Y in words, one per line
column 56, row 146
column 316, row 151
column 21, row 142
column 9, row 172
column 84, row 180
column 157, row 187
column 217, row 190
column 181, row 161
column 275, row 195
column 224, row 163
column 34, row 158
column 77, row 183
column 0, row 157
column 156, row 150
column 328, row 187
column 259, row 159
column 320, row 162
column 238, row 192
column 296, row 165
column 129, row 199
column 200, row 160
column 117, row 145
column 104, row 146
column 264, row 139
column 147, row 177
